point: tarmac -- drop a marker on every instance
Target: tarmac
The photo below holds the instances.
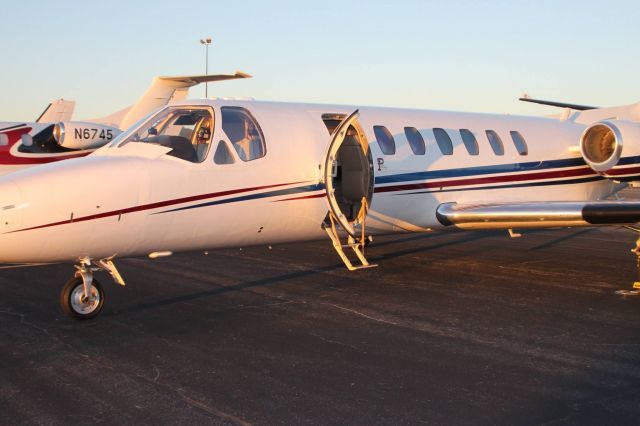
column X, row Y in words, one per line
column 451, row 328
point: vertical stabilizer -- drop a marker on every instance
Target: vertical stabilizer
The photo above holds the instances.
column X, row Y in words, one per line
column 180, row 94
column 163, row 89
column 58, row 110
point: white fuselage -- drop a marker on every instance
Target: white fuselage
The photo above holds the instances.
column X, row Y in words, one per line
column 134, row 199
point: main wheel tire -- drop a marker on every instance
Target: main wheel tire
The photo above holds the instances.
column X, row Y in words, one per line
column 72, row 299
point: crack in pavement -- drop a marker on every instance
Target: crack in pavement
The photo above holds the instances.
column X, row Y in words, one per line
column 324, row 339
column 211, row 410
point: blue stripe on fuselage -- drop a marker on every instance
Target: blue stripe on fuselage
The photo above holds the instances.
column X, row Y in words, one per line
column 493, row 169
column 512, row 185
column 288, row 191
column 628, row 160
column 484, row 170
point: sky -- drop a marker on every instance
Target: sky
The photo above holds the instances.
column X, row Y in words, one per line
column 453, row 55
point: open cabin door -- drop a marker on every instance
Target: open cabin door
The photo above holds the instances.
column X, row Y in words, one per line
column 348, row 178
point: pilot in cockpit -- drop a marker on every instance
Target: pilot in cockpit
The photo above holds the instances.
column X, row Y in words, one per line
column 203, row 132
column 202, row 137
column 247, row 145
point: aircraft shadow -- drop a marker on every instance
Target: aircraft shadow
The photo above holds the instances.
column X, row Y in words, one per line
column 223, row 290
column 263, row 282
column 561, row 239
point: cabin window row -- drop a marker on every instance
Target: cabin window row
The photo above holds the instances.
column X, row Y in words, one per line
column 387, row 143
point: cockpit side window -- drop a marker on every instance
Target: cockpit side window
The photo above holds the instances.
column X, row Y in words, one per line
column 188, row 131
column 223, row 154
column 244, row 133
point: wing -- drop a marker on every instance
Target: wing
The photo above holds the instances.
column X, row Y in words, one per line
column 538, row 215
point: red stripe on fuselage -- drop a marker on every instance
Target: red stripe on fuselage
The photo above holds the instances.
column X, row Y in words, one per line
column 155, row 206
column 623, row 171
column 489, row 179
column 583, row 171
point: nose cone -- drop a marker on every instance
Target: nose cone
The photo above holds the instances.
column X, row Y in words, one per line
column 11, row 206
column 57, row 212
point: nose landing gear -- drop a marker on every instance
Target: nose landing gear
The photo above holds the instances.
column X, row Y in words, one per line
column 82, row 297
column 78, row 304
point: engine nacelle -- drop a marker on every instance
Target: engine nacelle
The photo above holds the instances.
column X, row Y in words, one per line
column 602, row 144
column 79, row 135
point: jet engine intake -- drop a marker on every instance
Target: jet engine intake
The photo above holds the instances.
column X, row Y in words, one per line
column 79, row 135
column 601, row 145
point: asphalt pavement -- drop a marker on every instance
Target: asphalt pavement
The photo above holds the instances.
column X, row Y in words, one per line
column 451, row 328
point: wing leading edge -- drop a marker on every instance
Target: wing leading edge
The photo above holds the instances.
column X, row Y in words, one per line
column 538, row 215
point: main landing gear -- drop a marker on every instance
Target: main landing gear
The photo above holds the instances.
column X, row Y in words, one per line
column 636, row 251
column 82, row 297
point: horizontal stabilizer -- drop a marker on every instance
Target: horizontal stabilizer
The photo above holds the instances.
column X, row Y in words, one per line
column 192, row 80
column 162, row 91
column 526, row 98
column 538, row 215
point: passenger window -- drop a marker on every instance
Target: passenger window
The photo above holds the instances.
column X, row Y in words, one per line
column 519, row 142
column 243, row 132
column 385, row 140
column 444, row 141
column 223, row 154
column 495, row 142
column 470, row 141
column 416, row 141
column 186, row 131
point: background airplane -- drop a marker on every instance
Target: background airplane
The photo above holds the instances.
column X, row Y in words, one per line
column 57, row 111
column 53, row 137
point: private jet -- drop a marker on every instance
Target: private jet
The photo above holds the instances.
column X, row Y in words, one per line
column 216, row 173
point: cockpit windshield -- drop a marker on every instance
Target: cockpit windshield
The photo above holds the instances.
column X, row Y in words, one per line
column 187, row 130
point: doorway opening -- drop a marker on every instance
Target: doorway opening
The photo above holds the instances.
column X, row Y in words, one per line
column 349, row 157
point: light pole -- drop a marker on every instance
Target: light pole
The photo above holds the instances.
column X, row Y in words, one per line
column 206, row 42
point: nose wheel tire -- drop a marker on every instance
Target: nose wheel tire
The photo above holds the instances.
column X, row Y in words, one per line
column 76, row 305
